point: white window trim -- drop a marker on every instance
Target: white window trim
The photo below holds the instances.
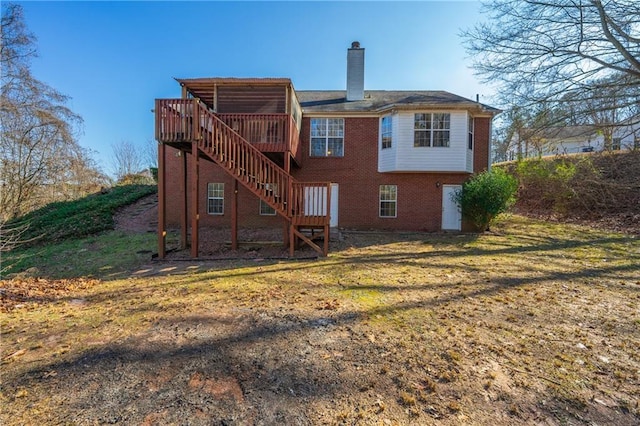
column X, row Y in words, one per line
column 326, row 137
column 380, row 201
column 209, row 197
column 265, row 205
column 471, row 133
column 389, row 132
column 268, row 187
column 431, row 130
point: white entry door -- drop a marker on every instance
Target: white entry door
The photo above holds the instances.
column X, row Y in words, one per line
column 315, row 203
column 333, row 219
column 451, row 213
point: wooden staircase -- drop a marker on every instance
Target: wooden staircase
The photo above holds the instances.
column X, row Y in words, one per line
column 305, row 205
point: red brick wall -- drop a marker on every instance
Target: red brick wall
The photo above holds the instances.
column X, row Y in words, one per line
column 481, row 135
column 419, row 202
column 419, row 197
column 248, row 204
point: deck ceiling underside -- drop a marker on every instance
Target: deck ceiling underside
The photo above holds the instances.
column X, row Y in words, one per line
column 248, row 97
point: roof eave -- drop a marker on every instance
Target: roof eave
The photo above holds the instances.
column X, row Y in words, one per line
column 479, row 108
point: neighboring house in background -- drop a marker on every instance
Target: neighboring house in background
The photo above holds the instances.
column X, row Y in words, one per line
column 313, row 160
column 573, row 139
column 627, row 135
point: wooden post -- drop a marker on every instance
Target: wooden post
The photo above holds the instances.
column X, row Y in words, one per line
column 327, row 233
column 195, row 213
column 162, row 232
column 184, row 188
column 234, row 216
column 292, row 240
column 285, row 227
column 327, row 223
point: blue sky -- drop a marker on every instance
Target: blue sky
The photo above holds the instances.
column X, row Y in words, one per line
column 114, row 58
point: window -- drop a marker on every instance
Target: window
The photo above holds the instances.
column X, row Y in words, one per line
column 327, row 137
column 215, row 198
column 388, row 200
column 385, row 131
column 616, row 144
column 470, row 125
column 431, row 129
column 266, row 209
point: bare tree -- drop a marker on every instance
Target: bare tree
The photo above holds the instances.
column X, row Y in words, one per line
column 571, row 55
column 81, row 177
column 151, row 153
column 126, row 159
column 37, row 131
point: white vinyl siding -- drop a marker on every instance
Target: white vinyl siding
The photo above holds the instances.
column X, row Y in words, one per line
column 405, row 157
column 471, row 142
column 387, row 156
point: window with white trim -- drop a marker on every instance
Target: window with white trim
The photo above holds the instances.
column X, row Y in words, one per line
column 616, row 144
column 327, row 137
column 388, row 200
column 266, row 209
column 431, row 129
column 215, row 198
column 385, row 132
column 470, row 129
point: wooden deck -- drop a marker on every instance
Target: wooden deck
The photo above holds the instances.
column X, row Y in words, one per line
column 237, row 143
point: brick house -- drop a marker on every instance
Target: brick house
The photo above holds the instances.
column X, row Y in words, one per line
column 271, row 156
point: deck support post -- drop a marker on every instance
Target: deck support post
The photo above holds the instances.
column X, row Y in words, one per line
column 162, row 232
column 292, row 239
column 285, row 223
column 195, row 212
column 184, row 222
column 327, row 233
column 234, row 216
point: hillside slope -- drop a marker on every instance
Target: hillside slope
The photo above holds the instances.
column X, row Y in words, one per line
column 601, row 189
column 78, row 218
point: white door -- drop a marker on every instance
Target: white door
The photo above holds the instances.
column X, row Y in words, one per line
column 315, row 203
column 333, row 220
column 451, row 214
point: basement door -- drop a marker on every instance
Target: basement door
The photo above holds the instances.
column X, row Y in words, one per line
column 315, row 203
column 451, row 213
column 333, row 218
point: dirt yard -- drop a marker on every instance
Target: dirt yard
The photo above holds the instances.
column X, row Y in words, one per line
column 533, row 323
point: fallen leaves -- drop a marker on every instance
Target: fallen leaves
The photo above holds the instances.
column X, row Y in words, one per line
column 21, row 293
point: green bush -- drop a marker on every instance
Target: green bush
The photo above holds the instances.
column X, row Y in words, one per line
column 137, row 179
column 546, row 185
column 485, row 196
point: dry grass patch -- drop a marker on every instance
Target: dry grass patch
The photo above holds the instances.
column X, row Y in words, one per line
column 535, row 322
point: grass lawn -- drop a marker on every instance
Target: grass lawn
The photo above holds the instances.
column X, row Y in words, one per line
column 532, row 323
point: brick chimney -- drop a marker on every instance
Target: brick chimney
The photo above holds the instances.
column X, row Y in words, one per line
column 355, row 72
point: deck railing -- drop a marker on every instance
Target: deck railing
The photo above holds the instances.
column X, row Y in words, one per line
column 174, row 120
column 310, row 202
column 268, row 132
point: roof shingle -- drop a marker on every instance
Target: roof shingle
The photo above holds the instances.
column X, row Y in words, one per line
column 380, row 100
